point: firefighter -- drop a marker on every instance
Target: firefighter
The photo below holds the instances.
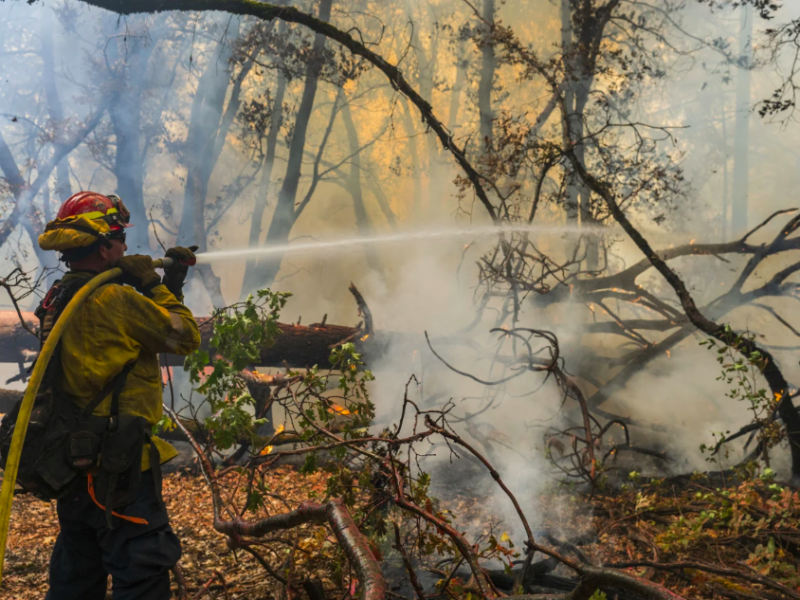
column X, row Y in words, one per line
column 116, row 337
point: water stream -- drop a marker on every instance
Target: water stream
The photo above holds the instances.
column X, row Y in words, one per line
column 343, row 244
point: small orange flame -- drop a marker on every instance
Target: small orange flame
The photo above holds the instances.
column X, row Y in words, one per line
column 335, row 408
column 365, row 337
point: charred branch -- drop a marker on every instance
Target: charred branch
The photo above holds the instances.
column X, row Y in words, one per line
column 745, row 346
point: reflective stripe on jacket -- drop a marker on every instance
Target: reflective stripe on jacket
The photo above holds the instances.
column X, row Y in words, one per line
column 114, row 326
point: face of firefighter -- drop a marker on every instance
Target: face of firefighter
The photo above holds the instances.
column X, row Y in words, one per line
column 113, row 253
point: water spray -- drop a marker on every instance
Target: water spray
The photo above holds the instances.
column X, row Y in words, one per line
column 393, row 238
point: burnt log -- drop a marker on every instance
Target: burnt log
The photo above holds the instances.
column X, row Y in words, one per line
column 298, row 346
column 16, row 343
column 8, row 398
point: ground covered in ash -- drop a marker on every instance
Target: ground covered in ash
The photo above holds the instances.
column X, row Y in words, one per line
column 749, row 528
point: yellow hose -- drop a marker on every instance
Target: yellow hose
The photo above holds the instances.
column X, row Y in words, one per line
column 25, row 409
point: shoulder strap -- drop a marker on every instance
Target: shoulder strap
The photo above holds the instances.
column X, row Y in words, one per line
column 115, row 386
column 48, row 312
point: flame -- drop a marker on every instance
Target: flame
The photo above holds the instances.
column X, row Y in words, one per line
column 266, row 450
column 778, row 396
column 364, row 338
column 692, row 242
column 668, row 354
column 335, row 408
column 280, row 429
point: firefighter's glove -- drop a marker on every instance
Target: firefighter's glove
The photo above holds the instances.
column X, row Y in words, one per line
column 138, row 271
column 175, row 276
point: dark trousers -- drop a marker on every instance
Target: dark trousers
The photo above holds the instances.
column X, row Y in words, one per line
column 138, row 557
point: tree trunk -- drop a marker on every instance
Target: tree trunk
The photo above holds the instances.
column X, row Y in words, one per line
column 299, row 346
column 55, row 108
column 363, row 223
column 426, row 74
column 275, row 124
column 416, row 167
column 208, row 129
column 462, row 64
column 572, row 200
column 726, row 200
column 383, row 202
column 578, row 63
column 486, row 83
column 741, row 156
column 285, row 216
column 130, row 78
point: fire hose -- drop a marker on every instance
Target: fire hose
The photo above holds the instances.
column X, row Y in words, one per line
column 26, row 407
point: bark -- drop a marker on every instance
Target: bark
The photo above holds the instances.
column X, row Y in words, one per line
column 334, row 513
column 275, row 124
column 285, row 214
column 741, row 153
column 363, row 222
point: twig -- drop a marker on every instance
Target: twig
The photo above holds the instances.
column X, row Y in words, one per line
column 363, row 309
column 752, row 578
column 412, row 576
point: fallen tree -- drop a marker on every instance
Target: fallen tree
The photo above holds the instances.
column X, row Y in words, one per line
column 298, row 346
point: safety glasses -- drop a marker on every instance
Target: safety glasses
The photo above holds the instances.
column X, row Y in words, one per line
column 117, row 234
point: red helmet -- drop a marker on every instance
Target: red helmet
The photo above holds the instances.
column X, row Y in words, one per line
column 92, row 205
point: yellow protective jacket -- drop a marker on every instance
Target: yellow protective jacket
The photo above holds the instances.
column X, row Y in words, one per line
column 114, row 326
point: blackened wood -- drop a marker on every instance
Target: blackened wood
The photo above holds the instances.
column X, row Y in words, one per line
column 299, row 346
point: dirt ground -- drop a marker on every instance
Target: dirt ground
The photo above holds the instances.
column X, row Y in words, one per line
column 743, row 528
column 34, row 527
